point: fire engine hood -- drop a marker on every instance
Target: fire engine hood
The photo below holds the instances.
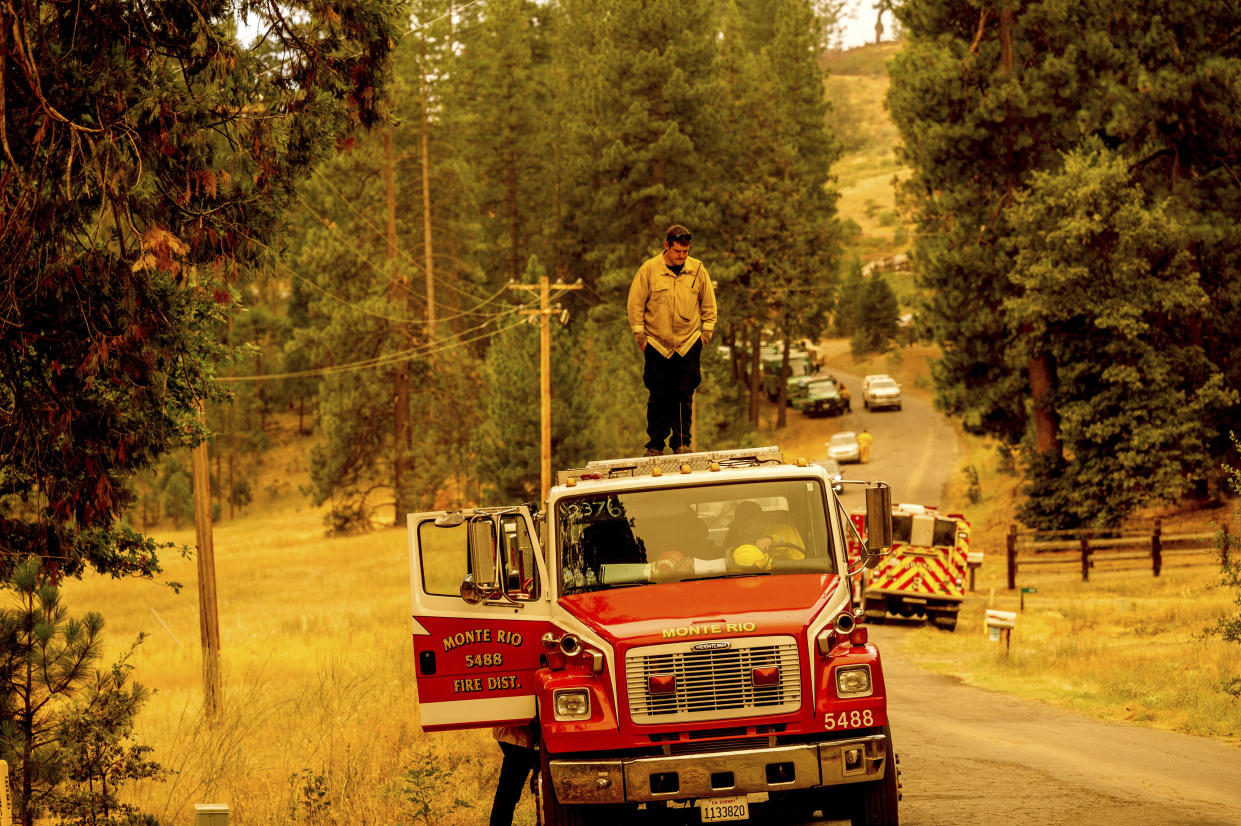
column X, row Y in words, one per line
column 756, row 605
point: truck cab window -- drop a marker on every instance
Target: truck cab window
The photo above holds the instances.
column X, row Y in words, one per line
column 445, row 557
column 650, row 537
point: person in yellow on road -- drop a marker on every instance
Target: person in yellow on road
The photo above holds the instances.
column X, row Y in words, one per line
column 864, row 440
column 754, row 539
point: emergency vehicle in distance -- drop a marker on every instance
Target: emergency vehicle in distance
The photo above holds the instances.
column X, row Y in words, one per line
column 924, row 575
column 674, row 657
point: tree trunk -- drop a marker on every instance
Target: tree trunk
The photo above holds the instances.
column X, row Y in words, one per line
column 782, row 393
column 1046, row 424
column 734, row 357
column 1007, row 18
column 755, row 371
column 428, row 252
column 398, row 292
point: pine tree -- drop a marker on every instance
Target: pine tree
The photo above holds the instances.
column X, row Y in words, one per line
column 772, row 181
column 382, row 252
column 877, row 315
column 499, row 102
column 45, row 656
column 639, row 119
column 143, row 168
column 995, row 103
column 1108, row 286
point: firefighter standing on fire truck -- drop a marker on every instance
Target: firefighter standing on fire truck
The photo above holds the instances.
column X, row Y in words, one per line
column 671, row 310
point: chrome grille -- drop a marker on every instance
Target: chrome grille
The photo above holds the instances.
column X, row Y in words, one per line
column 714, row 684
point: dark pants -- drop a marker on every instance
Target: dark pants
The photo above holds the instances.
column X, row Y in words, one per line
column 519, row 763
column 670, row 408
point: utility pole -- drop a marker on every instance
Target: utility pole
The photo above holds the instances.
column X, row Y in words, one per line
column 398, row 291
column 208, row 617
column 428, row 253
column 545, row 371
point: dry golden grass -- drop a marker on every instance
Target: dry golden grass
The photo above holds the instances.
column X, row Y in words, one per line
column 319, row 722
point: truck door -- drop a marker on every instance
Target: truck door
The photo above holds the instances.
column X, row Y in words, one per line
column 480, row 608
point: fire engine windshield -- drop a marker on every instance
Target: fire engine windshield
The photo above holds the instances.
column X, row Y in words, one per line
column 652, row 537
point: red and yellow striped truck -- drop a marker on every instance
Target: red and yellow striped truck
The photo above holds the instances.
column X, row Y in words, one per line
column 924, row 574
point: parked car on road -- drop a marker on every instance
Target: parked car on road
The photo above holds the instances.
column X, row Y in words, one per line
column 833, row 472
column 843, row 447
column 818, row 395
column 880, row 390
column 800, row 366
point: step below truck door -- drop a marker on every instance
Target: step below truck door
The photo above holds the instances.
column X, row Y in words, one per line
column 480, row 609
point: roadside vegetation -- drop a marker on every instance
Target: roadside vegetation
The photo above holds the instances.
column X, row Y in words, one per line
column 1126, row 646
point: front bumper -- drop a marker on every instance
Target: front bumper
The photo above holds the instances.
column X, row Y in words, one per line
column 716, row 774
column 828, row 408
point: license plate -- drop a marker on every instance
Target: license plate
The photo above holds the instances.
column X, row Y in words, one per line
column 720, row 809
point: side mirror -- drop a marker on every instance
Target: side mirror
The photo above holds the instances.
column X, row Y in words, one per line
column 470, row 592
column 484, row 557
column 878, row 520
column 449, row 520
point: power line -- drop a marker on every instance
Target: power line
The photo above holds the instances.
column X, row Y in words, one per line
column 403, row 252
column 357, row 307
column 381, row 361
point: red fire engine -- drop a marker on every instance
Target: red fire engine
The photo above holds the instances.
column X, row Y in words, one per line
column 682, row 630
column 924, row 574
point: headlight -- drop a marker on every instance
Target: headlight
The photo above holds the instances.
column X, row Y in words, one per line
column 853, row 681
column 574, row 703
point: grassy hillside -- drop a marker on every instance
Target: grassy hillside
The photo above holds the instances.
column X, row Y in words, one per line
column 856, row 85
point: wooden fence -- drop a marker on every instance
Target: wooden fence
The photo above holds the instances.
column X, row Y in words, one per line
column 1122, row 549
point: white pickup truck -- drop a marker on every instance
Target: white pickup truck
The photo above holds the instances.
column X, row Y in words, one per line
column 880, row 390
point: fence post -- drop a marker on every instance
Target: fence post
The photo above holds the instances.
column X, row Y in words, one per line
column 1224, row 542
column 1085, row 559
column 1157, row 546
column 1012, row 557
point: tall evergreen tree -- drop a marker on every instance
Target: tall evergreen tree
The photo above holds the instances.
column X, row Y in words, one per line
column 782, row 245
column 499, row 103
column 146, row 158
column 641, row 124
column 383, row 250
column 1108, row 285
column 805, row 254
column 990, row 99
column 877, row 315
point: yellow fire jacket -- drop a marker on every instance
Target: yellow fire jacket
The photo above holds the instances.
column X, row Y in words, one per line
column 672, row 310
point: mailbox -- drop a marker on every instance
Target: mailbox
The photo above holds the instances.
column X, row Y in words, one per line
column 210, row 814
column 973, row 558
column 998, row 621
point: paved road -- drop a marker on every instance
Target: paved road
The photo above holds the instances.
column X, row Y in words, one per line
column 915, row 449
column 971, row 756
